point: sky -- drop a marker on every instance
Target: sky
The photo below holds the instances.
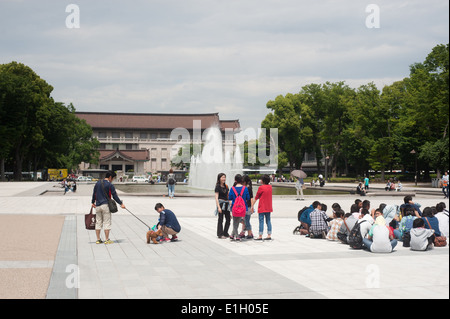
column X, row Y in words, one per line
column 208, row 56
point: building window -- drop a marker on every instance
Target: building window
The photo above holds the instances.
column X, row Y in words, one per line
column 143, row 135
column 154, row 136
column 115, row 134
column 128, row 146
column 101, row 134
column 128, row 134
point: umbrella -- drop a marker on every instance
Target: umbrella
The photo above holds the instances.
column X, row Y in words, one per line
column 299, row 174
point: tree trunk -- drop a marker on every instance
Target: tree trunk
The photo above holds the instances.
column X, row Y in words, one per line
column 18, row 165
column 2, row 170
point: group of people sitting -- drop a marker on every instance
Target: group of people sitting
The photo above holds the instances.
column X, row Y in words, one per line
column 378, row 229
column 391, row 186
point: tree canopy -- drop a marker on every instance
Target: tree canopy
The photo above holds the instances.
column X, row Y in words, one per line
column 367, row 129
column 36, row 130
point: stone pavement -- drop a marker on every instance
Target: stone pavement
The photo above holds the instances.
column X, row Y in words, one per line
column 201, row 266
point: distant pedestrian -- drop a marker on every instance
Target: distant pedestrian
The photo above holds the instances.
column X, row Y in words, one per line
column 445, row 186
column 366, row 183
column 299, row 187
column 100, row 203
column 171, row 183
column 265, row 209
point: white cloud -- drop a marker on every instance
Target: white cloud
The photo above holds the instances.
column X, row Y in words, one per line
column 211, row 55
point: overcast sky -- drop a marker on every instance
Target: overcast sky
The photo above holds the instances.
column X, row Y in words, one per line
column 203, row 56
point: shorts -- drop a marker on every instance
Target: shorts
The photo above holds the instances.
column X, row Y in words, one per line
column 103, row 217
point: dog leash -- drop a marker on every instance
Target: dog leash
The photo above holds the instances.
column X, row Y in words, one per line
column 137, row 218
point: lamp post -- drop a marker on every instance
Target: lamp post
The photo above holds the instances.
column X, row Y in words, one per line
column 415, row 160
column 326, row 168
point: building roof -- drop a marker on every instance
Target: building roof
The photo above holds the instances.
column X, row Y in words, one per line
column 100, row 120
column 132, row 155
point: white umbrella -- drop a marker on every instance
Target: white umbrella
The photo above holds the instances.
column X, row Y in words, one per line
column 299, row 174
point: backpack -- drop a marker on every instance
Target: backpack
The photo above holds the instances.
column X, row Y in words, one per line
column 239, row 209
column 355, row 239
column 301, row 212
column 171, row 181
column 408, row 224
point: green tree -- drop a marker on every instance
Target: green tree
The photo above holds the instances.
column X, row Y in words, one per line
column 36, row 129
column 335, row 120
column 293, row 135
column 22, row 94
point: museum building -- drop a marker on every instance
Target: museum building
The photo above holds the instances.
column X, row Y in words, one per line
column 142, row 143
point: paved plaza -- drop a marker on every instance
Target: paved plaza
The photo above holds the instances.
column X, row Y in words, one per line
column 46, row 252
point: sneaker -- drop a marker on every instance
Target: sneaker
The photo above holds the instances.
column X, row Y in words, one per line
column 231, row 238
column 174, row 238
column 99, row 242
column 258, row 239
column 249, row 237
column 165, row 240
column 108, row 241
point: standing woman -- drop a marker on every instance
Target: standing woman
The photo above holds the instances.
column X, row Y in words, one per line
column 222, row 206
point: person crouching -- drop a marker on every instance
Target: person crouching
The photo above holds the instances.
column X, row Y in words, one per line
column 168, row 223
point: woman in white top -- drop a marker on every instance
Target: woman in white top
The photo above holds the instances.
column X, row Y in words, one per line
column 380, row 238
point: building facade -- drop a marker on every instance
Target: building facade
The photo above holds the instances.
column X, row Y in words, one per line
column 141, row 143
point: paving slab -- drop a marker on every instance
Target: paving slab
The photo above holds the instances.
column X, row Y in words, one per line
column 202, row 266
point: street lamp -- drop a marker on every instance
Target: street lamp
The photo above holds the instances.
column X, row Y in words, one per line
column 326, row 168
column 415, row 160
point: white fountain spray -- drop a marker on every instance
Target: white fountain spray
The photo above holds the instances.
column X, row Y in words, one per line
column 214, row 160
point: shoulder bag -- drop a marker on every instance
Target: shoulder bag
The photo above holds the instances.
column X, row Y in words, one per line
column 439, row 241
column 111, row 203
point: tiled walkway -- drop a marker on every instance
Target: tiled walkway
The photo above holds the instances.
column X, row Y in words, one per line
column 200, row 265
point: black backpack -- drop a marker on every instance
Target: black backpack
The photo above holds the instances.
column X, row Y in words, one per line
column 171, row 181
column 355, row 239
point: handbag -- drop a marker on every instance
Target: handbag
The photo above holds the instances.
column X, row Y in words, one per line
column 90, row 220
column 406, row 239
column 439, row 241
column 111, row 203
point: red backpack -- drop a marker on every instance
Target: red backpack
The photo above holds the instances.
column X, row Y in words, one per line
column 239, row 209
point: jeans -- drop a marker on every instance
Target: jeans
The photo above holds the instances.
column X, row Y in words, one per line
column 248, row 226
column 368, row 243
column 445, row 191
column 236, row 223
column 171, row 190
column 261, row 223
column 398, row 235
column 221, row 229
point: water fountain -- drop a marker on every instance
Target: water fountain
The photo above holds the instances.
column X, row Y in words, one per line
column 213, row 160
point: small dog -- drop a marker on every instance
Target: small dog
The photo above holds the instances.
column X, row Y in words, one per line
column 153, row 235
